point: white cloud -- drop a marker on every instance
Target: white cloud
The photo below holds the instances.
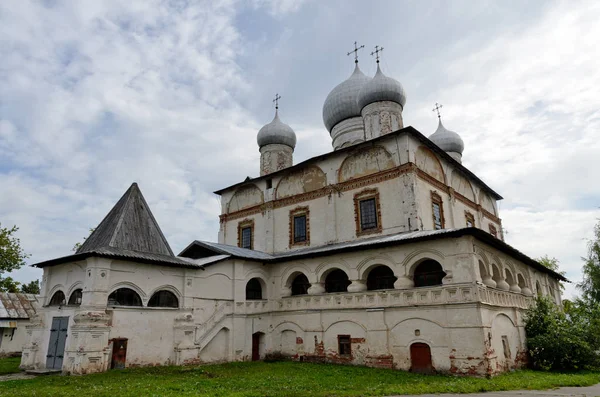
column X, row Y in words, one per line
column 96, row 95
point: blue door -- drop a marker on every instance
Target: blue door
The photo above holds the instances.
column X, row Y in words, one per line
column 58, row 338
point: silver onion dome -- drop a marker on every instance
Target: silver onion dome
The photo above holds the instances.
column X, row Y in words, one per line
column 448, row 141
column 276, row 132
column 381, row 88
column 341, row 103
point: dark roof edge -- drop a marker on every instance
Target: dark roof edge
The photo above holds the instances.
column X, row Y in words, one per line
column 204, row 245
column 89, row 254
column 408, row 129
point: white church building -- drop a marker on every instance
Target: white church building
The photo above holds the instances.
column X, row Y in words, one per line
column 384, row 252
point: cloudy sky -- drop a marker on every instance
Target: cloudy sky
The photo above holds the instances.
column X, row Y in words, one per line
column 97, row 94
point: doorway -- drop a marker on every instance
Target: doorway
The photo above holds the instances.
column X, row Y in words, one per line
column 420, row 358
column 58, row 339
column 119, row 353
column 257, row 341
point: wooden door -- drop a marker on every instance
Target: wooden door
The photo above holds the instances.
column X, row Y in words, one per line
column 58, row 339
column 420, row 358
column 256, row 346
column 119, row 353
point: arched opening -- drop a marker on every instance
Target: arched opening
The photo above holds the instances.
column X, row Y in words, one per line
column 482, row 271
column 75, row 298
column 300, row 285
column 429, row 273
column 420, row 358
column 124, row 297
column 496, row 276
column 538, row 289
column 57, row 299
column 254, row 289
column 163, row 298
column 521, row 281
column 337, row 281
column 381, row 277
column 509, row 277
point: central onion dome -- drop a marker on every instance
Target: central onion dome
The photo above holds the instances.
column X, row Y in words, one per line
column 381, row 88
column 341, row 103
column 276, row 132
column 448, row 141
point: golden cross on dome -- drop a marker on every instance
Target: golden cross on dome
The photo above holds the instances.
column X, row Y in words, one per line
column 276, row 100
column 355, row 51
column 437, row 108
column 376, row 52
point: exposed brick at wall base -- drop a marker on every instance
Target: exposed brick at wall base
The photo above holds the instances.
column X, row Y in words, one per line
column 384, row 361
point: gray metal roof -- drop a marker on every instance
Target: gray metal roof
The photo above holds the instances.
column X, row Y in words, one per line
column 448, row 141
column 225, row 249
column 119, row 253
column 381, row 88
column 276, row 132
column 342, row 101
column 18, row 305
column 129, row 225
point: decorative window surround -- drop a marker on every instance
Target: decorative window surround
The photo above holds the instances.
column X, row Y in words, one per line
column 298, row 212
column 436, row 201
column 246, row 223
column 367, row 194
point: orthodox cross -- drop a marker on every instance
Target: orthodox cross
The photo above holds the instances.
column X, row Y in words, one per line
column 355, row 51
column 276, row 100
column 437, row 108
column 376, row 52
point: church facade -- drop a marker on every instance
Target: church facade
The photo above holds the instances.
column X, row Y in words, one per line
column 385, row 252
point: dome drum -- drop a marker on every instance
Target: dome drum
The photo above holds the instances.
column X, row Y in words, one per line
column 348, row 132
column 381, row 118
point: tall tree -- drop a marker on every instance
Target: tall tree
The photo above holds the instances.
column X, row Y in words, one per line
column 31, row 288
column 552, row 264
column 590, row 286
column 12, row 257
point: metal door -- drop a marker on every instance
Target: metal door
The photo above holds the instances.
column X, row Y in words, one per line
column 58, row 339
column 119, row 353
column 420, row 358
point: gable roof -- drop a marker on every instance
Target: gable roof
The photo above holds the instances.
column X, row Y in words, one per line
column 17, row 305
column 406, row 130
column 204, row 249
column 129, row 225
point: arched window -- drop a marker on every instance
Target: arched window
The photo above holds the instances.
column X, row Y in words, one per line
column 381, row 277
column 253, row 289
column 124, row 297
column 163, row 298
column 300, row 285
column 429, row 273
column 337, row 281
column 57, row 299
column 75, row 298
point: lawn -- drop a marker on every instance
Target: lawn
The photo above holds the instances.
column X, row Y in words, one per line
column 279, row 379
column 9, row 365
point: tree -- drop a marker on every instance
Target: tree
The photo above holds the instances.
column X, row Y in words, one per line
column 590, row 286
column 78, row 245
column 552, row 264
column 31, row 288
column 12, row 257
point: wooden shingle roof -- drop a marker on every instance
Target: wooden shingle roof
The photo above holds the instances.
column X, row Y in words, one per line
column 130, row 226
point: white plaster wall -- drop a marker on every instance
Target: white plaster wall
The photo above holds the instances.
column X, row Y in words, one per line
column 13, row 339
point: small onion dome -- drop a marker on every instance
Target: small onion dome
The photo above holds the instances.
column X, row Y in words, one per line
column 276, row 132
column 381, row 88
column 341, row 103
column 448, row 141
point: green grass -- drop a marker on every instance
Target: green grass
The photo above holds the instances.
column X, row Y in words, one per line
column 9, row 365
column 279, row 379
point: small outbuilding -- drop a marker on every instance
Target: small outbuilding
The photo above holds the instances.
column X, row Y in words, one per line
column 15, row 311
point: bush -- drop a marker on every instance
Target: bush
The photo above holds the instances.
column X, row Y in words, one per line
column 557, row 341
